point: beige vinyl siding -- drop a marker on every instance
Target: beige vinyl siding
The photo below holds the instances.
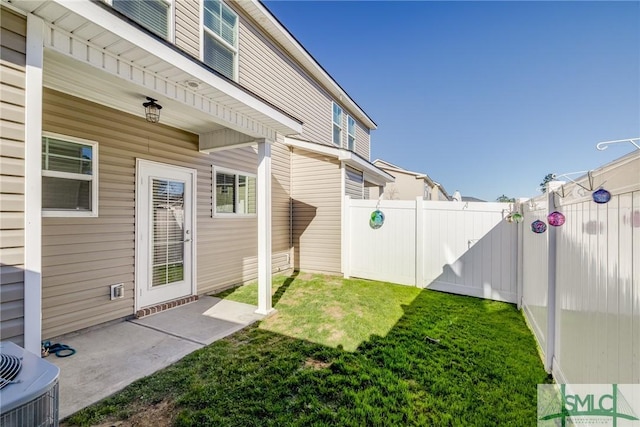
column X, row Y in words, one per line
column 187, row 29
column 281, row 205
column 83, row 256
column 12, row 100
column 353, row 183
column 316, row 201
column 363, row 141
column 265, row 69
column 405, row 187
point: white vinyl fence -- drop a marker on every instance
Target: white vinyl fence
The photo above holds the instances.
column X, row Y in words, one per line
column 578, row 284
column 459, row 247
column 581, row 280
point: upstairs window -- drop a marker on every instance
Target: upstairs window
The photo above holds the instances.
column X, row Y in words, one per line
column 154, row 15
column 351, row 133
column 220, row 39
column 69, row 176
column 337, row 125
column 235, row 193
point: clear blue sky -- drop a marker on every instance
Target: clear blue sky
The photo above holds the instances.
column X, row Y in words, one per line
column 484, row 97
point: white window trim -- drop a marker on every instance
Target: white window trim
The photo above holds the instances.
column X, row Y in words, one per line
column 349, row 134
column 234, row 49
column 340, row 143
column 93, row 178
column 236, row 173
column 171, row 31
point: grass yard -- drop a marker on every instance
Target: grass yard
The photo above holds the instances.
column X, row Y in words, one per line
column 347, row 352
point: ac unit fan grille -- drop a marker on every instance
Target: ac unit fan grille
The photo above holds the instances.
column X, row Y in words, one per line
column 9, row 368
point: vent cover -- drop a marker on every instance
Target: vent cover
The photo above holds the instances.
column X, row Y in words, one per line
column 9, row 368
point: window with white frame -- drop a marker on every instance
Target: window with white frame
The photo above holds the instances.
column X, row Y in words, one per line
column 337, row 125
column 69, row 176
column 351, row 133
column 234, row 192
column 220, row 37
column 154, row 15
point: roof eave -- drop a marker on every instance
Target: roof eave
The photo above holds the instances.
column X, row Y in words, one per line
column 261, row 14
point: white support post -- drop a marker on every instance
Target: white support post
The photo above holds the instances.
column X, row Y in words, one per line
column 519, row 264
column 33, row 186
column 346, row 237
column 419, row 242
column 520, row 256
column 264, row 227
column 551, row 280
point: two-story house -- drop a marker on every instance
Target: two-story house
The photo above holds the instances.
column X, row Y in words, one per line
column 407, row 185
column 154, row 151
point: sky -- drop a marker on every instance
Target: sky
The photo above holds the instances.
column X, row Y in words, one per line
column 485, row 97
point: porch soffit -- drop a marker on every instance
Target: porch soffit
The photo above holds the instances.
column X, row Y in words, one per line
column 121, row 65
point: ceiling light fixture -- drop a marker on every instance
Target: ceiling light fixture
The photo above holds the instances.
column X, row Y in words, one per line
column 152, row 110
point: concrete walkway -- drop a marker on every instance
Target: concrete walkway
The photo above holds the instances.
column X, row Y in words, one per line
column 112, row 357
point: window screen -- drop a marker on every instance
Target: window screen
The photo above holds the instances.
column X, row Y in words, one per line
column 151, row 14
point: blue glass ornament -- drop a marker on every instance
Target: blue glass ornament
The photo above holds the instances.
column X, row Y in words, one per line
column 538, row 226
column 376, row 220
column 601, row 196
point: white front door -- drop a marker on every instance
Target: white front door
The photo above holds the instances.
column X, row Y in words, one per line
column 165, row 206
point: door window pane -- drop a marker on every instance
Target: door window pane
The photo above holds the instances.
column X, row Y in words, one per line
column 168, row 232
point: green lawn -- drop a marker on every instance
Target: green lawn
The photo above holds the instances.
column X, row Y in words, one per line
column 345, row 352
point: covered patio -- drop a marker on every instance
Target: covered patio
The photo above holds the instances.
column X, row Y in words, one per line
column 118, row 66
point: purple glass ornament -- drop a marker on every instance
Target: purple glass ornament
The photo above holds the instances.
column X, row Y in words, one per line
column 601, row 196
column 538, row 226
column 555, row 218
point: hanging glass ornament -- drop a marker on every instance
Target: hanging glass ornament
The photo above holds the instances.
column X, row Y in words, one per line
column 376, row 220
column 601, row 196
column 517, row 217
column 509, row 218
column 538, row 226
column 555, row 218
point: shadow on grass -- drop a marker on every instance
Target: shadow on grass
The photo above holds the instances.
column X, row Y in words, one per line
column 448, row 361
column 282, row 289
column 248, row 293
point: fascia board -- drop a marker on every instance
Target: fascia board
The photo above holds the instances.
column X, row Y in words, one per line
column 375, row 174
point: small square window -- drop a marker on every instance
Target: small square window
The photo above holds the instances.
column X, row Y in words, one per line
column 234, row 193
column 69, row 176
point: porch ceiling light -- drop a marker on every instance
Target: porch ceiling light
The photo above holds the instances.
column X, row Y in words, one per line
column 152, row 110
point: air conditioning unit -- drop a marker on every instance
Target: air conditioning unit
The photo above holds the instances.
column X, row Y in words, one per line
column 28, row 388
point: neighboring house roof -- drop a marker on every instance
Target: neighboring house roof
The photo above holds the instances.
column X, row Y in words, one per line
column 263, row 16
column 371, row 172
column 383, row 164
column 471, row 199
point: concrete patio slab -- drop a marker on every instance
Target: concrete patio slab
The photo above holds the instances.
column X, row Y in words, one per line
column 112, row 357
column 203, row 321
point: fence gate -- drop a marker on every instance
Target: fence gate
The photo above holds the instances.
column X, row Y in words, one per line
column 459, row 247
